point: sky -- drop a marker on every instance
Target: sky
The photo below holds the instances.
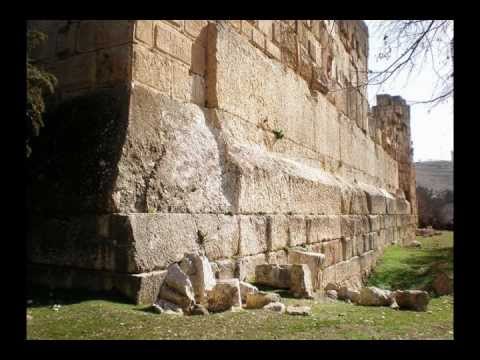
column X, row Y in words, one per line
column 431, row 128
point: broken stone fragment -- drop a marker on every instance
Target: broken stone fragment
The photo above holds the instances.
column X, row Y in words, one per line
column 224, row 295
column 177, row 288
column 171, row 295
column 332, row 286
column 274, row 275
column 394, row 305
column 373, row 296
column 313, row 260
column 415, row 244
column 198, row 309
column 200, row 273
column 166, row 305
column 345, row 293
column 332, row 294
column 245, row 289
column 301, row 281
column 412, row 299
column 275, row 307
column 299, row 310
column 261, row 298
column 443, row 284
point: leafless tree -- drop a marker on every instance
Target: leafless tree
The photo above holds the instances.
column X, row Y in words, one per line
column 410, row 44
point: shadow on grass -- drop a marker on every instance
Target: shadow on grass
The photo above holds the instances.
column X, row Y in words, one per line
column 284, row 293
column 43, row 296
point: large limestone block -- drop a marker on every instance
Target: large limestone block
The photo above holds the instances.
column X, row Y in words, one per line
column 314, row 261
column 177, row 288
column 297, row 230
column 201, row 275
column 301, row 281
column 254, row 87
column 219, row 235
column 277, row 257
column 161, row 239
column 272, row 183
column 260, row 299
column 412, row 299
column 245, row 266
column 323, row 228
column 274, row 275
column 278, row 232
column 373, row 296
column 253, row 235
column 224, row 296
column 224, row 269
column 171, row 160
column 333, row 252
column 376, row 198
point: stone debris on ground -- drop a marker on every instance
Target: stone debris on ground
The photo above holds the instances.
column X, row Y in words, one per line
column 332, row 294
column 198, row 309
column 443, row 284
column 224, row 295
column 260, row 299
column 295, row 277
column 299, row 310
column 245, row 289
column 412, row 299
column 275, row 307
column 373, row 296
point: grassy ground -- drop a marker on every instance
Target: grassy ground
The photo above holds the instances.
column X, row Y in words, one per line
column 407, row 268
column 83, row 318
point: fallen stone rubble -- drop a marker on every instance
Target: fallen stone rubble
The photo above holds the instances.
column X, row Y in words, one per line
column 190, row 288
column 416, row 300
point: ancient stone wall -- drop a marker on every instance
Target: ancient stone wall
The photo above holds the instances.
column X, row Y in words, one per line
column 242, row 139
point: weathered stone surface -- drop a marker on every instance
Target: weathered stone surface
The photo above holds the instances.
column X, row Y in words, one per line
column 225, row 269
column 275, row 307
column 346, row 293
column 245, row 267
column 323, row 228
column 253, row 235
column 261, row 298
column 274, row 275
column 177, row 288
column 161, row 305
column 245, row 289
column 301, row 281
column 200, row 274
column 224, row 295
column 314, row 261
column 443, row 284
column 332, row 294
column 278, row 232
column 299, row 310
column 198, row 309
column 219, row 139
column 373, row 296
column 412, row 299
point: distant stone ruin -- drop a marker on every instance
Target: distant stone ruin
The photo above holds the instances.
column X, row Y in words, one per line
column 249, row 141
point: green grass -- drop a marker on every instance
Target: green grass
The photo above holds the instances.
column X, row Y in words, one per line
column 93, row 318
column 411, row 268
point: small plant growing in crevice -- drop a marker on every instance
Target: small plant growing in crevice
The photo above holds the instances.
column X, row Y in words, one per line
column 201, row 236
column 278, row 134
